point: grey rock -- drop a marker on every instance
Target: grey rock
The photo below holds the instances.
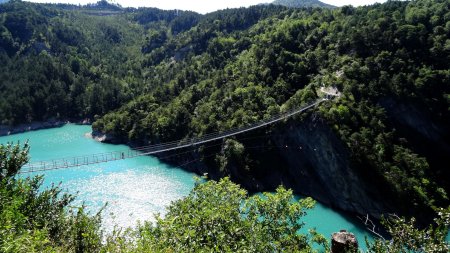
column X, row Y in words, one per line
column 343, row 242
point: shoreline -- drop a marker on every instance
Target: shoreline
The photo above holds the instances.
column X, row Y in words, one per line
column 197, row 168
column 38, row 125
column 100, row 137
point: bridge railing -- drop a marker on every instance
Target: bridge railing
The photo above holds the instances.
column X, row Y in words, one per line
column 157, row 148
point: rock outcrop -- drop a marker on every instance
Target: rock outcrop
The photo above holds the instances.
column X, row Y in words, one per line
column 7, row 130
column 321, row 168
column 37, row 125
column 106, row 138
column 304, row 155
column 429, row 137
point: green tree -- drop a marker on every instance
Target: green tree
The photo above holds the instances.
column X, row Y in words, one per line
column 36, row 220
column 406, row 237
column 12, row 157
column 221, row 217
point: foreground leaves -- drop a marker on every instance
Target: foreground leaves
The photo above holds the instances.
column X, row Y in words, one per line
column 221, row 217
column 37, row 220
column 407, row 238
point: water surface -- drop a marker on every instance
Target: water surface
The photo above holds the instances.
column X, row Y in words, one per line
column 135, row 189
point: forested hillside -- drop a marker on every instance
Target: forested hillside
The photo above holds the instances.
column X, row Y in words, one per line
column 150, row 76
column 74, row 64
column 302, row 3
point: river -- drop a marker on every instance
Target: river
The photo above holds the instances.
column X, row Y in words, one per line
column 136, row 189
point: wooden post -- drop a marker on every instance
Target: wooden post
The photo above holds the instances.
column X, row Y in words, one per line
column 343, row 242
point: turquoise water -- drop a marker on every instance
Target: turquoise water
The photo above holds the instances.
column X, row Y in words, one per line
column 328, row 221
column 135, row 189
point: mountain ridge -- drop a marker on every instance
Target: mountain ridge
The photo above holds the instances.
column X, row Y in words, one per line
column 302, row 3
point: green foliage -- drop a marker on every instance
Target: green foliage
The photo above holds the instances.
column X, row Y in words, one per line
column 302, row 3
column 232, row 155
column 12, row 157
column 221, row 217
column 407, row 238
column 33, row 219
column 215, row 216
column 67, row 64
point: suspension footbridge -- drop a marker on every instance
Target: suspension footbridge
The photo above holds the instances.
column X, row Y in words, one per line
column 90, row 159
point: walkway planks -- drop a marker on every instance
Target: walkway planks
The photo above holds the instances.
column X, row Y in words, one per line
column 157, row 148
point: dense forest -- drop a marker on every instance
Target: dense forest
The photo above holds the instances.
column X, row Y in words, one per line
column 75, row 64
column 149, row 76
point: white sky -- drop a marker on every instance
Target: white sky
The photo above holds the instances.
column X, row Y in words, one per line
column 201, row 6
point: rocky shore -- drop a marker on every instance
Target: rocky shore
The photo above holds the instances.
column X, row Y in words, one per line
column 105, row 138
column 37, row 125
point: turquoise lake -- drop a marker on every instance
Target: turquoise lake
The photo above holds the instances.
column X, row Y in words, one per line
column 135, row 189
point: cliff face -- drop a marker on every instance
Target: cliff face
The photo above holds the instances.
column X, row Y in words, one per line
column 428, row 136
column 304, row 155
column 321, row 168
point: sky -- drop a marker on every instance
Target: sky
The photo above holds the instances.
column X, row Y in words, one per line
column 201, row 6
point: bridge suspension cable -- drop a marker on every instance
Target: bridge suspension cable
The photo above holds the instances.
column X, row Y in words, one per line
column 83, row 160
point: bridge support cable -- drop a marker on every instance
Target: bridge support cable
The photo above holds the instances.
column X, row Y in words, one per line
column 90, row 159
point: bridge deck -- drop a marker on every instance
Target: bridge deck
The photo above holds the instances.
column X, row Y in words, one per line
column 158, row 148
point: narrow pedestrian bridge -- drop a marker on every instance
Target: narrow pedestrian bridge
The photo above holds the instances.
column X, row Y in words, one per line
column 89, row 159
